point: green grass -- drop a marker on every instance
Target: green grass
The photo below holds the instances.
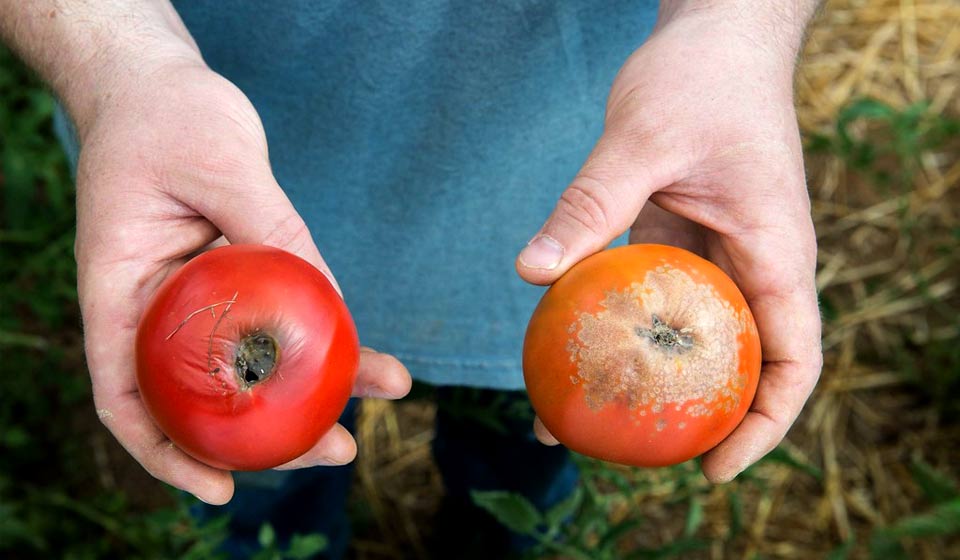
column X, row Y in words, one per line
column 883, row 148
column 603, row 519
column 51, row 504
column 890, row 155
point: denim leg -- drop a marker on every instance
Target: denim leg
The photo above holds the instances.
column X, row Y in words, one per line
column 301, row 501
column 485, row 441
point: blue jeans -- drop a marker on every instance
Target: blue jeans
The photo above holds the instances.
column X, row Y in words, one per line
column 484, row 441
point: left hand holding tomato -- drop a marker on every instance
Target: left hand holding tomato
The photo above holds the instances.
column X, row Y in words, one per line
column 701, row 150
column 176, row 160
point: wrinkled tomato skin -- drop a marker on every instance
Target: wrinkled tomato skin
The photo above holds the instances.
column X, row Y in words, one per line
column 186, row 357
column 622, row 430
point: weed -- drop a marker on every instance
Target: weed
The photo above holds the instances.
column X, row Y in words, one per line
column 51, row 503
column 601, row 520
column 940, row 521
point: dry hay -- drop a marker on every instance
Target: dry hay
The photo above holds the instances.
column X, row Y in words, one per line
column 888, row 275
column 889, row 266
column 397, row 485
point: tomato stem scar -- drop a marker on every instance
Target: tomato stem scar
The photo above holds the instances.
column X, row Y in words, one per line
column 667, row 337
column 257, row 357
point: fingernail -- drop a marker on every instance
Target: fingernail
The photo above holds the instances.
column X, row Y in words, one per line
column 201, row 499
column 334, row 461
column 730, row 475
column 728, row 479
column 376, row 392
column 543, row 252
column 542, row 434
column 318, row 462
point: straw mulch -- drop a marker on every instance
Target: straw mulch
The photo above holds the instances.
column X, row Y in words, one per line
column 889, row 269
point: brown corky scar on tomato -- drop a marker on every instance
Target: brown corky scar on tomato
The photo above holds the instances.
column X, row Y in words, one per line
column 649, row 347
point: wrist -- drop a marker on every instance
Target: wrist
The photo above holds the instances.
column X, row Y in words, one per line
column 116, row 73
column 89, row 51
column 775, row 25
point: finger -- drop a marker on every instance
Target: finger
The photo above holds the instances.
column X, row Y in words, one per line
column 602, row 201
column 248, row 206
column 220, row 241
column 783, row 389
column 656, row 225
column 336, row 447
column 543, row 435
column 110, row 323
column 788, row 321
column 381, row 376
column 277, row 224
column 129, row 422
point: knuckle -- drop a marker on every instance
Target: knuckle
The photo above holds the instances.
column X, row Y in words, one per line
column 587, row 204
column 290, row 233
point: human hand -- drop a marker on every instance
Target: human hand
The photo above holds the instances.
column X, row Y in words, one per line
column 701, row 150
column 174, row 157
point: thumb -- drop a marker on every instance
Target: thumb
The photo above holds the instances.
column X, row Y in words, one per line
column 259, row 212
column 601, row 203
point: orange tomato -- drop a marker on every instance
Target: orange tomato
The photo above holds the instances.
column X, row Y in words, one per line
column 644, row 355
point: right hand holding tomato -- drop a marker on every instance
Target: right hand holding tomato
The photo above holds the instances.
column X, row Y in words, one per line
column 701, row 151
column 171, row 160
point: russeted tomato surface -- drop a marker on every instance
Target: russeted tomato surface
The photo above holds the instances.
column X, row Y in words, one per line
column 644, row 355
column 246, row 356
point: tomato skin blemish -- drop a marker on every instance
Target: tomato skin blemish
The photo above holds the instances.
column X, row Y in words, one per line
column 639, row 349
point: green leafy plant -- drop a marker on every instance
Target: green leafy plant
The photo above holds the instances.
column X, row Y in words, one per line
column 51, row 504
column 45, row 522
column 888, row 146
column 591, row 522
column 942, row 520
column 300, row 547
column 590, row 535
column 580, row 526
column 890, row 153
column 934, row 368
column 498, row 411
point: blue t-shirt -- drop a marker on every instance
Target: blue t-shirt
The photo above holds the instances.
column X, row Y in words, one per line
column 424, row 143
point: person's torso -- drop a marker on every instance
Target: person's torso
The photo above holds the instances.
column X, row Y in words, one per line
column 425, row 143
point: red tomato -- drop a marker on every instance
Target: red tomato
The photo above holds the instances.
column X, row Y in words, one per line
column 645, row 355
column 246, row 356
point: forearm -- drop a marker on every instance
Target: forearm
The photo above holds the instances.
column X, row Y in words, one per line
column 87, row 50
column 774, row 24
